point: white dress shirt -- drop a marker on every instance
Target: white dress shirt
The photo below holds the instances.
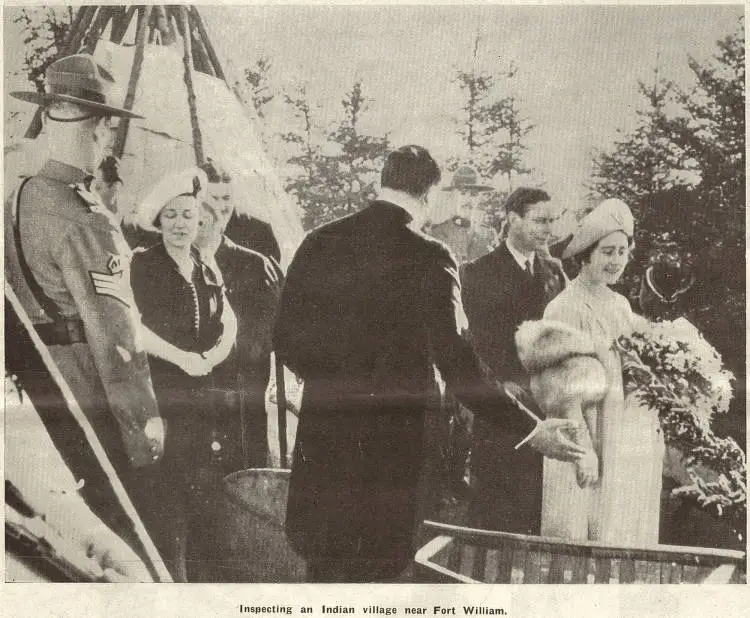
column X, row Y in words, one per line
column 520, row 257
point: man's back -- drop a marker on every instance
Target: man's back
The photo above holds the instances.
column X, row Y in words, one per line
column 364, row 278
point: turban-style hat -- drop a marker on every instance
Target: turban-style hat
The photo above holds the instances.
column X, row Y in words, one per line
column 192, row 181
column 611, row 215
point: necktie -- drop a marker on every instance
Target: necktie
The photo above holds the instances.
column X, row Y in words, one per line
column 529, row 272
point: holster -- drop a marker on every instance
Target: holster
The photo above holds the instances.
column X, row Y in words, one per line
column 62, row 332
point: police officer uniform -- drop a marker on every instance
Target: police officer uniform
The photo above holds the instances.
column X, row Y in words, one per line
column 68, row 262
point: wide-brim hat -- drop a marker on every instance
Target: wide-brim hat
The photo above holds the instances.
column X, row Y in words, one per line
column 81, row 80
column 191, row 181
column 466, row 179
column 610, row 216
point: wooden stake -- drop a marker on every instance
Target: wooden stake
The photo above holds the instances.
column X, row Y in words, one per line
column 187, row 59
column 144, row 17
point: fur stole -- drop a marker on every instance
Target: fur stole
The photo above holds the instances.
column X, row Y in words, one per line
column 566, row 374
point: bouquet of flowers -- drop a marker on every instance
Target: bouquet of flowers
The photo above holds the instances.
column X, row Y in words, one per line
column 674, row 371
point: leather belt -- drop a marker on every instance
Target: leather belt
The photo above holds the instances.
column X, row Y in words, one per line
column 62, row 332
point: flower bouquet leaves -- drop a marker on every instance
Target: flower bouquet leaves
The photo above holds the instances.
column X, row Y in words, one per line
column 670, row 368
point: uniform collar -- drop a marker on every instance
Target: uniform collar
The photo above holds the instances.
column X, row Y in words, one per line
column 57, row 170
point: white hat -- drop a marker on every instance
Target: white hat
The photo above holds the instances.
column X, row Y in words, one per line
column 192, row 181
column 611, row 215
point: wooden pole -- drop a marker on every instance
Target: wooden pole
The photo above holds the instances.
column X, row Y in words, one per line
column 207, row 42
column 76, row 40
column 188, row 62
column 144, row 17
column 68, row 39
column 281, row 412
column 100, row 23
column 121, row 23
column 201, row 60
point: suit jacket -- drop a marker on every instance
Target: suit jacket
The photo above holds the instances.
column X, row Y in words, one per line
column 367, row 307
column 254, row 234
column 498, row 295
column 243, row 378
column 254, row 298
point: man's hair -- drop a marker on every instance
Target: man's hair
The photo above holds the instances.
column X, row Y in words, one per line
column 410, row 169
column 523, row 197
column 214, row 172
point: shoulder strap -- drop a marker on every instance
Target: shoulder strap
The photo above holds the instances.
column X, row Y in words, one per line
column 45, row 302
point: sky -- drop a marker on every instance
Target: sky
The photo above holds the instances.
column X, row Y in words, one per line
column 578, row 67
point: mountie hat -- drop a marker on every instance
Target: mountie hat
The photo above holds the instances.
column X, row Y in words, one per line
column 81, row 80
column 611, row 215
column 465, row 179
column 191, row 181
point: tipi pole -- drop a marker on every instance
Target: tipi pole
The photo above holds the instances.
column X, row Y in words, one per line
column 121, row 23
column 86, row 17
column 207, row 43
column 188, row 62
column 100, row 23
column 135, row 73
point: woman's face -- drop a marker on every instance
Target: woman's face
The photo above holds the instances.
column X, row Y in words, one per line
column 179, row 221
column 608, row 259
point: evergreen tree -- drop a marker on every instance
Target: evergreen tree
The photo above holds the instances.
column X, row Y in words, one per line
column 44, row 30
column 682, row 170
column 334, row 172
column 492, row 128
column 256, row 77
column 645, row 161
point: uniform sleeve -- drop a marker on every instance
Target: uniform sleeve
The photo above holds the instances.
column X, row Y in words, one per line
column 455, row 358
column 94, row 264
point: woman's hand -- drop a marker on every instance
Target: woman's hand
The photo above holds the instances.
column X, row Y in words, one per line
column 587, row 469
column 194, row 364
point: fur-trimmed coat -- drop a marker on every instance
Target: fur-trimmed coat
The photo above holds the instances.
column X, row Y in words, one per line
column 566, row 373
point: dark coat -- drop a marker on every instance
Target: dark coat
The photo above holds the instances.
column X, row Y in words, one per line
column 181, row 487
column 241, row 380
column 254, row 234
column 498, row 295
column 368, row 306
